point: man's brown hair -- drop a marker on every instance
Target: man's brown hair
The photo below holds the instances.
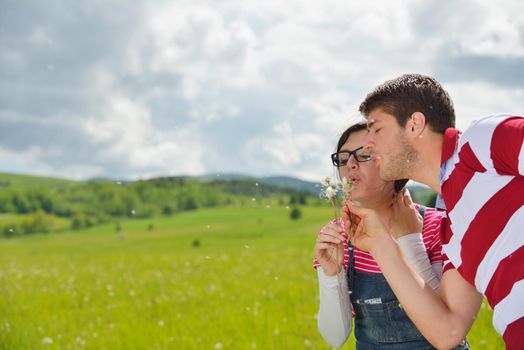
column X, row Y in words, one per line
column 410, row 93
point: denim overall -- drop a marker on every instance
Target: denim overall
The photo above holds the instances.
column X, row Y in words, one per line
column 380, row 321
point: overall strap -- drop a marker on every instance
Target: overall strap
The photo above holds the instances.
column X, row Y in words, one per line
column 422, row 211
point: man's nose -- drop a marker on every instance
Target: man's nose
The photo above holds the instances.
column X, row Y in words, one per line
column 369, row 143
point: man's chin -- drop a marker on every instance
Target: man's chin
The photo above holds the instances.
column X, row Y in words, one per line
column 385, row 175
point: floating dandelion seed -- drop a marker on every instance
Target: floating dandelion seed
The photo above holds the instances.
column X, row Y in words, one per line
column 256, row 184
column 253, row 199
column 47, row 340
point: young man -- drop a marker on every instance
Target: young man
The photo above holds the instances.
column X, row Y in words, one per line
column 479, row 174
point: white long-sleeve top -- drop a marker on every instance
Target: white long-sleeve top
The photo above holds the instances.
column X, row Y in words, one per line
column 335, row 311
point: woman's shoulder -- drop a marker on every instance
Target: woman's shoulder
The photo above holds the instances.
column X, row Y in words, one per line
column 432, row 220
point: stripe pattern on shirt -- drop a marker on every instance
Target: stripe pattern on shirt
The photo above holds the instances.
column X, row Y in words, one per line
column 483, row 190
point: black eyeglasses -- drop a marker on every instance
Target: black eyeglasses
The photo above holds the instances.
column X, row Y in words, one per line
column 341, row 158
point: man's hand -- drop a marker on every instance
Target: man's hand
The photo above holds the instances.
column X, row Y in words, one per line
column 405, row 218
column 371, row 232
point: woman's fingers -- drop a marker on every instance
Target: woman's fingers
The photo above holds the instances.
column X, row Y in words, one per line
column 323, row 238
column 326, row 246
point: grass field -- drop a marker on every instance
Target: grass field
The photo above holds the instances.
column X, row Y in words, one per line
column 229, row 278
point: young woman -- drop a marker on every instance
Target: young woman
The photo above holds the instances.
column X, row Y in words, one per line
column 380, row 322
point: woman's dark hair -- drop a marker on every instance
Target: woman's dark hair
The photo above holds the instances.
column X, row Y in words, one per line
column 399, row 184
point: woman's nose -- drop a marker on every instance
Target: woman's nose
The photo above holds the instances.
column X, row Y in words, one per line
column 352, row 163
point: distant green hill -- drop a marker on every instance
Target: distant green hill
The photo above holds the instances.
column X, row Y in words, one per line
column 86, row 203
column 286, row 182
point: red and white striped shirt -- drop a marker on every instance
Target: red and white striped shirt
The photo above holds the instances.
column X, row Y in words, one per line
column 482, row 185
column 364, row 262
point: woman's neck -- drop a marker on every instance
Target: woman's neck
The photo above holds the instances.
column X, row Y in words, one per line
column 382, row 204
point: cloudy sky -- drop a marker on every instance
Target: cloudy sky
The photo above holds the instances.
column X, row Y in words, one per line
column 137, row 89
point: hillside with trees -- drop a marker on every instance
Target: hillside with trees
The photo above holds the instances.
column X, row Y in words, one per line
column 30, row 204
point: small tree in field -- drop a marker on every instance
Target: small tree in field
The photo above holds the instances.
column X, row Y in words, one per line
column 295, row 213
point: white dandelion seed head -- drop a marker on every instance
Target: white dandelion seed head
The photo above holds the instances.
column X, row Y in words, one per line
column 331, row 193
column 47, row 340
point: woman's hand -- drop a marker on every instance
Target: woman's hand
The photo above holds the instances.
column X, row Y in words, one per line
column 329, row 248
column 405, row 218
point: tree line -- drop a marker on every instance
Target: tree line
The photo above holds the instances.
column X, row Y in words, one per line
column 88, row 203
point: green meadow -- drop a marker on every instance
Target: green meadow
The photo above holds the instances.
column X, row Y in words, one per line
column 222, row 278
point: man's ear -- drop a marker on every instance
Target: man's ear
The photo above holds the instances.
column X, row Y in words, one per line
column 417, row 124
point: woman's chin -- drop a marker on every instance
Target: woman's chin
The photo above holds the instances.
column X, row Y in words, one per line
column 356, row 194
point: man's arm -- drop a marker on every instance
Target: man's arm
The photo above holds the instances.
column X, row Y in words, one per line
column 444, row 318
column 507, row 150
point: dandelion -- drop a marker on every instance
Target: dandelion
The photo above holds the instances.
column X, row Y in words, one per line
column 161, row 323
column 47, row 340
column 329, row 193
column 80, row 341
column 346, row 186
column 219, row 346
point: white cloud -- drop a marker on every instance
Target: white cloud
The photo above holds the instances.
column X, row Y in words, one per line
column 258, row 87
